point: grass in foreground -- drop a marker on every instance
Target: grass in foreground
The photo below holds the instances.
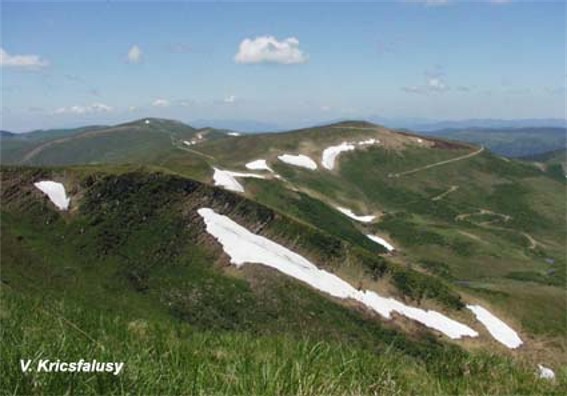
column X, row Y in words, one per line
column 163, row 357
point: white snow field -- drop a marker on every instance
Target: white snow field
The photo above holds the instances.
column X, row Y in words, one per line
column 298, row 160
column 260, row 164
column 382, row 242
column 243, row 246
column 545, row 372
column 330, row 153
column 233, row 134
column 349, row 213
column 498, row 329
column 55, row 192
column 227, row 179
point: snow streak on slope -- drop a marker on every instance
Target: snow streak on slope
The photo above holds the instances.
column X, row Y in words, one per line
column 55, row 192
column 260, row 164
column 382, row 242
column 242, row 246
column 349, row 213
column 227, row 179
column 330, row 153
column 298, row 160
column 498, row 329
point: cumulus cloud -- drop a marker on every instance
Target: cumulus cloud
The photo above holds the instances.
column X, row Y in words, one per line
column 26, row 62
column 135, row 54
column 267, row 49
column 160, row 103
column 88, row 109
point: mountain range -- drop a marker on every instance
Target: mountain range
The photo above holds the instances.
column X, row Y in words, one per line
column 340, row 258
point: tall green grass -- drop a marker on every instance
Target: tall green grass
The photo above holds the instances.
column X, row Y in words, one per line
column 173, row 358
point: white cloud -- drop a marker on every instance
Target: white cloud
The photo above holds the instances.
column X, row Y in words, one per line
column 135, row 54
column 434, row 83
column 160, row 103
column 267, row 49
column 28, row 62
column 229, row 99
column 88, row 109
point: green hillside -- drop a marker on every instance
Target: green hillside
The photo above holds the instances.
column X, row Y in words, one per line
column 129, row 272
column 101, row 282
column 144, row 140
column 497, row 231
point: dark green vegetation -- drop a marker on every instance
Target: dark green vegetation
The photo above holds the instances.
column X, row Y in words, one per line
column 130, row 274
column 511, row 142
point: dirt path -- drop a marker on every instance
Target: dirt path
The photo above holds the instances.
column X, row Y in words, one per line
column 363, row 128
column 449, row 191
column 35, row 151
column 463, row 216
column 533, row 242
column 489, row 224
column 445, row 162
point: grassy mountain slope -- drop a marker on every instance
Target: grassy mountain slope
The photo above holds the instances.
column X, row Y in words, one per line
column 144, row 140
column 493, row 227
column 128, row 274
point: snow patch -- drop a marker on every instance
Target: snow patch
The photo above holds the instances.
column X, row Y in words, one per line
column 227, row 179
column 298, row 160
column 189, row 143
column 55, row 192
column 147, row 122
column 233, row 134
column 349, row 213
column 545, row 373
column 260, row 164
column 382, row 242
column 497, row 328
column 242, row 246
column 367, row 142
column 331, row 153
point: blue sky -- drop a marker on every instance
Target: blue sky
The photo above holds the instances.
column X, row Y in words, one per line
column 66, row 64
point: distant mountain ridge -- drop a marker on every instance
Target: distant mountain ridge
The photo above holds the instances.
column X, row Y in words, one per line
column 511, row 142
